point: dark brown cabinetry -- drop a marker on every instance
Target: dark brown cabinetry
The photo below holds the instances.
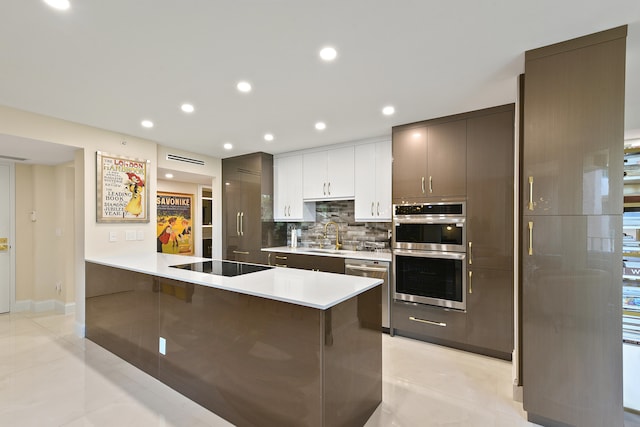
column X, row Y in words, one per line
column 486, row 168
column 429, row 161
column 490, row 177
column 247, row 207
column 571, row 230
column 307, row 262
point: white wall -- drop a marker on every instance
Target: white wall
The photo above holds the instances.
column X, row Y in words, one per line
column 92, row 238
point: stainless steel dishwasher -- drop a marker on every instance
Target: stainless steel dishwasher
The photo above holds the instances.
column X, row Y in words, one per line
column 376, row 270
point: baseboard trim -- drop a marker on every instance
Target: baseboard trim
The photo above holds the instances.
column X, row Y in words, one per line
column 517, row 393
column 42, row 306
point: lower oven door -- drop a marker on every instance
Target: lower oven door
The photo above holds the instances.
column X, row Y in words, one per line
column 429, row 277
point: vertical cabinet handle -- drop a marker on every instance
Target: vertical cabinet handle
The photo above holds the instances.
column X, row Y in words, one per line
column 289, row 210
column 324, row 188
column 430, row 184
column 378, row 209
column 530, row 204
column 470, row 256
column 269, row 258
column 530, row 237
column 422, row 185
column 238, row 223
column 470, row 282
column 242, row 223
column 329, row 188
column 371, row 208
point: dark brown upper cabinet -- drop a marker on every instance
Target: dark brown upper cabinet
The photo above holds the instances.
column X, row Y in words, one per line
column 429, row 161
column 574, row 112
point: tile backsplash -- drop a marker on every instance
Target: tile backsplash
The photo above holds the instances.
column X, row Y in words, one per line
column 353, row 235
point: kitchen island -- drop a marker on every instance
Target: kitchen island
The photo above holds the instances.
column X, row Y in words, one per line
column 272, row 347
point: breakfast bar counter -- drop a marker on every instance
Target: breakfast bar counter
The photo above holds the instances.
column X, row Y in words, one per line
column 276, row 346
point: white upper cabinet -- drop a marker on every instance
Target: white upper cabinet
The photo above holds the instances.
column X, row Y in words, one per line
column 288, row 204
column 329, row 174
column 373, row 182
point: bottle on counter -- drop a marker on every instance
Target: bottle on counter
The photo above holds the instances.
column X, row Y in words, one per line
column 294, row 237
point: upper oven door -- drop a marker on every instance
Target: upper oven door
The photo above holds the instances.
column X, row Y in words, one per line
column 431, row 235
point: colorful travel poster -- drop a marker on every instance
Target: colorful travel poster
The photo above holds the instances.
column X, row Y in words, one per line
column 175, row 221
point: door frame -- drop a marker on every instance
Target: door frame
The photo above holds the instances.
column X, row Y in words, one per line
column 12, row 235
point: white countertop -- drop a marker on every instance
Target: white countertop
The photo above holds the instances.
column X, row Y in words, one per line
column 373, row 256
column 302, row 287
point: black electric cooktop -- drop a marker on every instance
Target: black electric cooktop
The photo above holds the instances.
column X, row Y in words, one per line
column 222, row 268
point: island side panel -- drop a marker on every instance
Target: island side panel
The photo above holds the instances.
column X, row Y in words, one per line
column 122, row 314
column 352, row 359
column 251, row 360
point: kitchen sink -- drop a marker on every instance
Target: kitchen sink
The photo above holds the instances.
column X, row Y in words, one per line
column 325, row 251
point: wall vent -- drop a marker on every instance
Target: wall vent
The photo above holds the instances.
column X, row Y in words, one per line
column 185, row 159
column 17, row 159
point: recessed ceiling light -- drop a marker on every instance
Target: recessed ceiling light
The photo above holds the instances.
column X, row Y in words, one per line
column 321, row 126
column 147, row 123
column 388, row 110
column 228, row 146
column 268, row 137
column 58, row 4
column 168, row 175
column 328, row 53
column 187, row 108
column 244, row 87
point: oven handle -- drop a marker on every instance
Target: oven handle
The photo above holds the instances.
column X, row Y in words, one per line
column 430, row 254
column 406, row 219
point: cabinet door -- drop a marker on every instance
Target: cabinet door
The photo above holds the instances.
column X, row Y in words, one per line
column 365, row 182
column 383, row 181
column 490, row 309
column 340, row 165
column 571, row 322
column 373, row 182
column 571, row 119
column 490, row 149
column 447, row 159
column 409, row 164
column 315, row 175
column 241, row 210
column 281, row 184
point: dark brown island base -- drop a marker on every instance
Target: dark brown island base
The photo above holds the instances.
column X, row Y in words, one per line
column 253, row 360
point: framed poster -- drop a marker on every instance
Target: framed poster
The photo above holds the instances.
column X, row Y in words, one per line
column 175, row 221
column 121, row 194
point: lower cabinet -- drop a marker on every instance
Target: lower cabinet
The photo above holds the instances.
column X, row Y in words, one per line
column 490, row 310
column 421, row 321
column 486, row 327
column 307, row 262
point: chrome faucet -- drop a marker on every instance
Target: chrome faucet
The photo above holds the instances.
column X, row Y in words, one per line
column 337, row 232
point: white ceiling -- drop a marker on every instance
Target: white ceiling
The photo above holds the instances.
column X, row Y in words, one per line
column 110, row 64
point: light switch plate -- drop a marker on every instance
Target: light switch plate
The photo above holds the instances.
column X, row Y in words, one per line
column 140, row 235
column 130, row 235
column 113, row 236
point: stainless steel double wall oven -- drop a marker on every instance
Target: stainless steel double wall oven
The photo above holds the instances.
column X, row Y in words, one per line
column 429, row 254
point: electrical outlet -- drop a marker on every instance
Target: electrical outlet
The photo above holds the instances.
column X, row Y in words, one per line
column 130, row 235
column 113, row 236
column 162, row 346
column 59, row 287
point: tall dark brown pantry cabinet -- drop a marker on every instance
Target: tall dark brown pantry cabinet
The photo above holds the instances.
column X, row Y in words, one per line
column 490, row 151
column 571, row 230
column 247, row 207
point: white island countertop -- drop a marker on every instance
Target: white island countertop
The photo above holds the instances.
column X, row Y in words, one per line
column 302, row 287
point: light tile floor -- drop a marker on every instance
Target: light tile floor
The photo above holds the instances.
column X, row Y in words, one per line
column 50, row 377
